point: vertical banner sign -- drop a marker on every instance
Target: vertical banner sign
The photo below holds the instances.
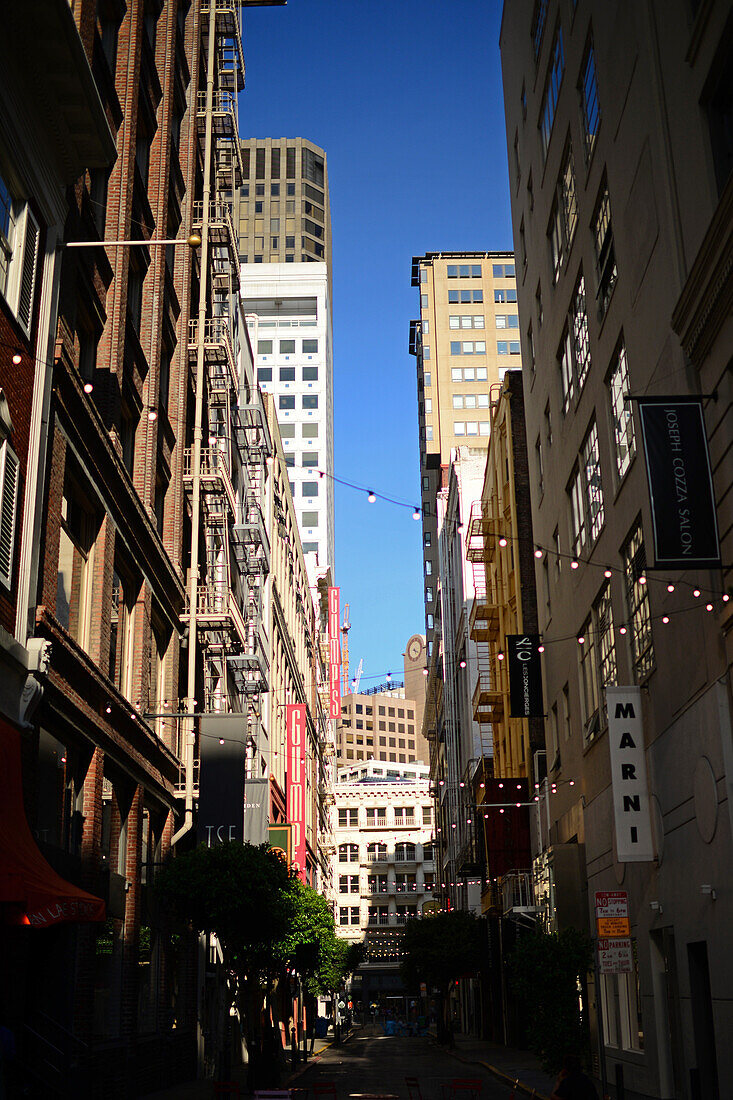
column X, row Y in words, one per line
column 296, row 744
column 525, row 675
column 631, row 812
column 334, row 654
column 256, row 810
column 680, row 483
column 223, row 749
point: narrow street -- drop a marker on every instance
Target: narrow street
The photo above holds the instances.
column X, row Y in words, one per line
column 372, row 1064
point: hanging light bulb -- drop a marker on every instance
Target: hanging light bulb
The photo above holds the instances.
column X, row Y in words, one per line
column 670, row 588
column 221, row 740
column 726, row 597
column 538, row 553
column 461, row 664
column 416, row 513
column 708, row 607
column 665, row 618
column 17, row 357
column 371, row 496
column 696, row 592
column 540, row 649
column 642, row 579
column 581, row 640
column 502, row 541
column 500, row 656
column 88, row 387
column 574, row 564
column 607, row 574
column 622, row 629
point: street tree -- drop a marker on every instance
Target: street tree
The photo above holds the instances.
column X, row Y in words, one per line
column 438, row 950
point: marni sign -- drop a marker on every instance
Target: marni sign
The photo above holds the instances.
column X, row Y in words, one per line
column 631, row 812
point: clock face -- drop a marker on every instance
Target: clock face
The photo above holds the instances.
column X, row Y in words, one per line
column 414, row 649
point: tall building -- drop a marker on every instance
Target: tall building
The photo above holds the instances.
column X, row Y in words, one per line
column 384, row 865
column 297, row 672
column 381, row 723
column 467, row 335
column 142, row 586
column 618, row 125
column 284, row 211
column 288, row 312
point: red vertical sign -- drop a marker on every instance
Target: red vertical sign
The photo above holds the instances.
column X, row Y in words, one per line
column 334, row 654
column 296, row 732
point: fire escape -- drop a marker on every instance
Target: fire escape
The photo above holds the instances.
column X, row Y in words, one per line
column 225, row 466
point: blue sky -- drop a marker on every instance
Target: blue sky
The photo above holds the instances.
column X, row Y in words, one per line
column 405, row 97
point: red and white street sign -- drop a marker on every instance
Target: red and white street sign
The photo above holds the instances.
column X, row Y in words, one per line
column 612, row 913
column 615, row 955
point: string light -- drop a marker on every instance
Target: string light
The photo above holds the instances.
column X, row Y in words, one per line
column 416, row 513
column 708, row 607
column 461, row 664
column 371, row 496
column 670, row 588
column 539, row 553
column 622, row 629
column 152, row 416
column 607, row 574
column 696, row 593
column 502, row 541
column 17, row 357
column 665, row 618
column 88, row 387
column 574, row 564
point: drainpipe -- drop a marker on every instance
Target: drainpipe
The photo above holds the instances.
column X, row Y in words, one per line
column 197, row 437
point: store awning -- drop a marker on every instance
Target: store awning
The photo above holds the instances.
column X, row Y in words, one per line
column 31, row 892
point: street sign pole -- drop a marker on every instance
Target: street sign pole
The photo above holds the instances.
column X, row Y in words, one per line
column 599, row 1017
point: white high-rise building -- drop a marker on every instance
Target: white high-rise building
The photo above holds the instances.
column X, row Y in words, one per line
column 289, row 317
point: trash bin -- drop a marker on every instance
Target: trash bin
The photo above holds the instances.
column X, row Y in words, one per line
column 321, row 1027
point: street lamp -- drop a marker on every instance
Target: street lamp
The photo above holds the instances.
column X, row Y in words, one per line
column 193, row 241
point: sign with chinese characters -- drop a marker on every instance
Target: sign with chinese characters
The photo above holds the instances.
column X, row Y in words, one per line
column 295, row 789
column 680, row 483
column 612, row 913
column 223, row 755
column 334, row 654
column 525, row 675
column 631, row 811
column 615, row 956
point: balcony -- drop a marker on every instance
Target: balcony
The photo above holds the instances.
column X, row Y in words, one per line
column 227, row 27
column 517, row 894
column 223, row 114
column 250, row 668
column 406, row 888
column 218, row 354
column 252, row 432
column 250, row 542
column 484, row 619
column 407, row 822
column 488, row 702
column 378, row 822
column 213, row 471
column 220, row 226
column 378, row 891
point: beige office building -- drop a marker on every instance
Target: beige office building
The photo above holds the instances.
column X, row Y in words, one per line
column 284, row 211
column 466, row 337
column 381, row 723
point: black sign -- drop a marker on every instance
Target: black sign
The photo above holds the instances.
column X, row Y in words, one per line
column 223, row 740
column 680, row 483
column 256, row 810
column 525, row 675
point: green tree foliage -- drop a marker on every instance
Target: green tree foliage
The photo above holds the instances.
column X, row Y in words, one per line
column 438, row 950
column 545, row 973
column 241, row 892
column 344, row 958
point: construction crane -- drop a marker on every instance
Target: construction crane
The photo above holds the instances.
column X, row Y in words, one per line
column 345, row 652
column 357, row 678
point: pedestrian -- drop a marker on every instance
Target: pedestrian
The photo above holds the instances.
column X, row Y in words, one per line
column 572, row 1083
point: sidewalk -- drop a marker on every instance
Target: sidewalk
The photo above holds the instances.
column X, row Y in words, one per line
column 518, row 1067
column 204, row 1089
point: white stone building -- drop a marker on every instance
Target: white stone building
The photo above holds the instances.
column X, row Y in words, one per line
column 288, row 312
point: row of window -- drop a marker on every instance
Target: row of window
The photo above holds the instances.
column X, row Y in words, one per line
column 508, row 347
column 470, row 401
column 348, row 817
column 308, row 431
column 287, row 401
column 472, row 427
column 287, row 347
column 381, row 884
column 307, row 458
column 376, row 852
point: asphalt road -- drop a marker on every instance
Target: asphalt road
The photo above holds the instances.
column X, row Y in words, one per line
column 372, row 1063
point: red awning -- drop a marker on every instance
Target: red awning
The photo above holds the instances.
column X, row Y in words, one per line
column 30, row 890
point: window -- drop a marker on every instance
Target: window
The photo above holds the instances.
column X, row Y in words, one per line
column 290, row 461
column 587, row 494
column 287, row 431
column 501, row 296
column 9, row 485
column 287, row 347
column 605, row 254
column 427, row 819
column 287, row 374
column 603, row 621
column 468, row 347
column 286, row 401
column 310, row 347
column 564, row 217
column 264, row 374
column 621, row 415
column 539, row 19
column 466, row 321
column 552, row 91
column 75, row 569
column 590, row 107
column 310, row 488
column 637, row 599
column 19, row 237
column 574, row 353
column 309, row 431
column 588, row 678
column 348, row 853
column 310, row 458
column 264, row 347
column 310, row 400
column 121, row 634
column 310, row 374
column 464, row 271
column 310, row 519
